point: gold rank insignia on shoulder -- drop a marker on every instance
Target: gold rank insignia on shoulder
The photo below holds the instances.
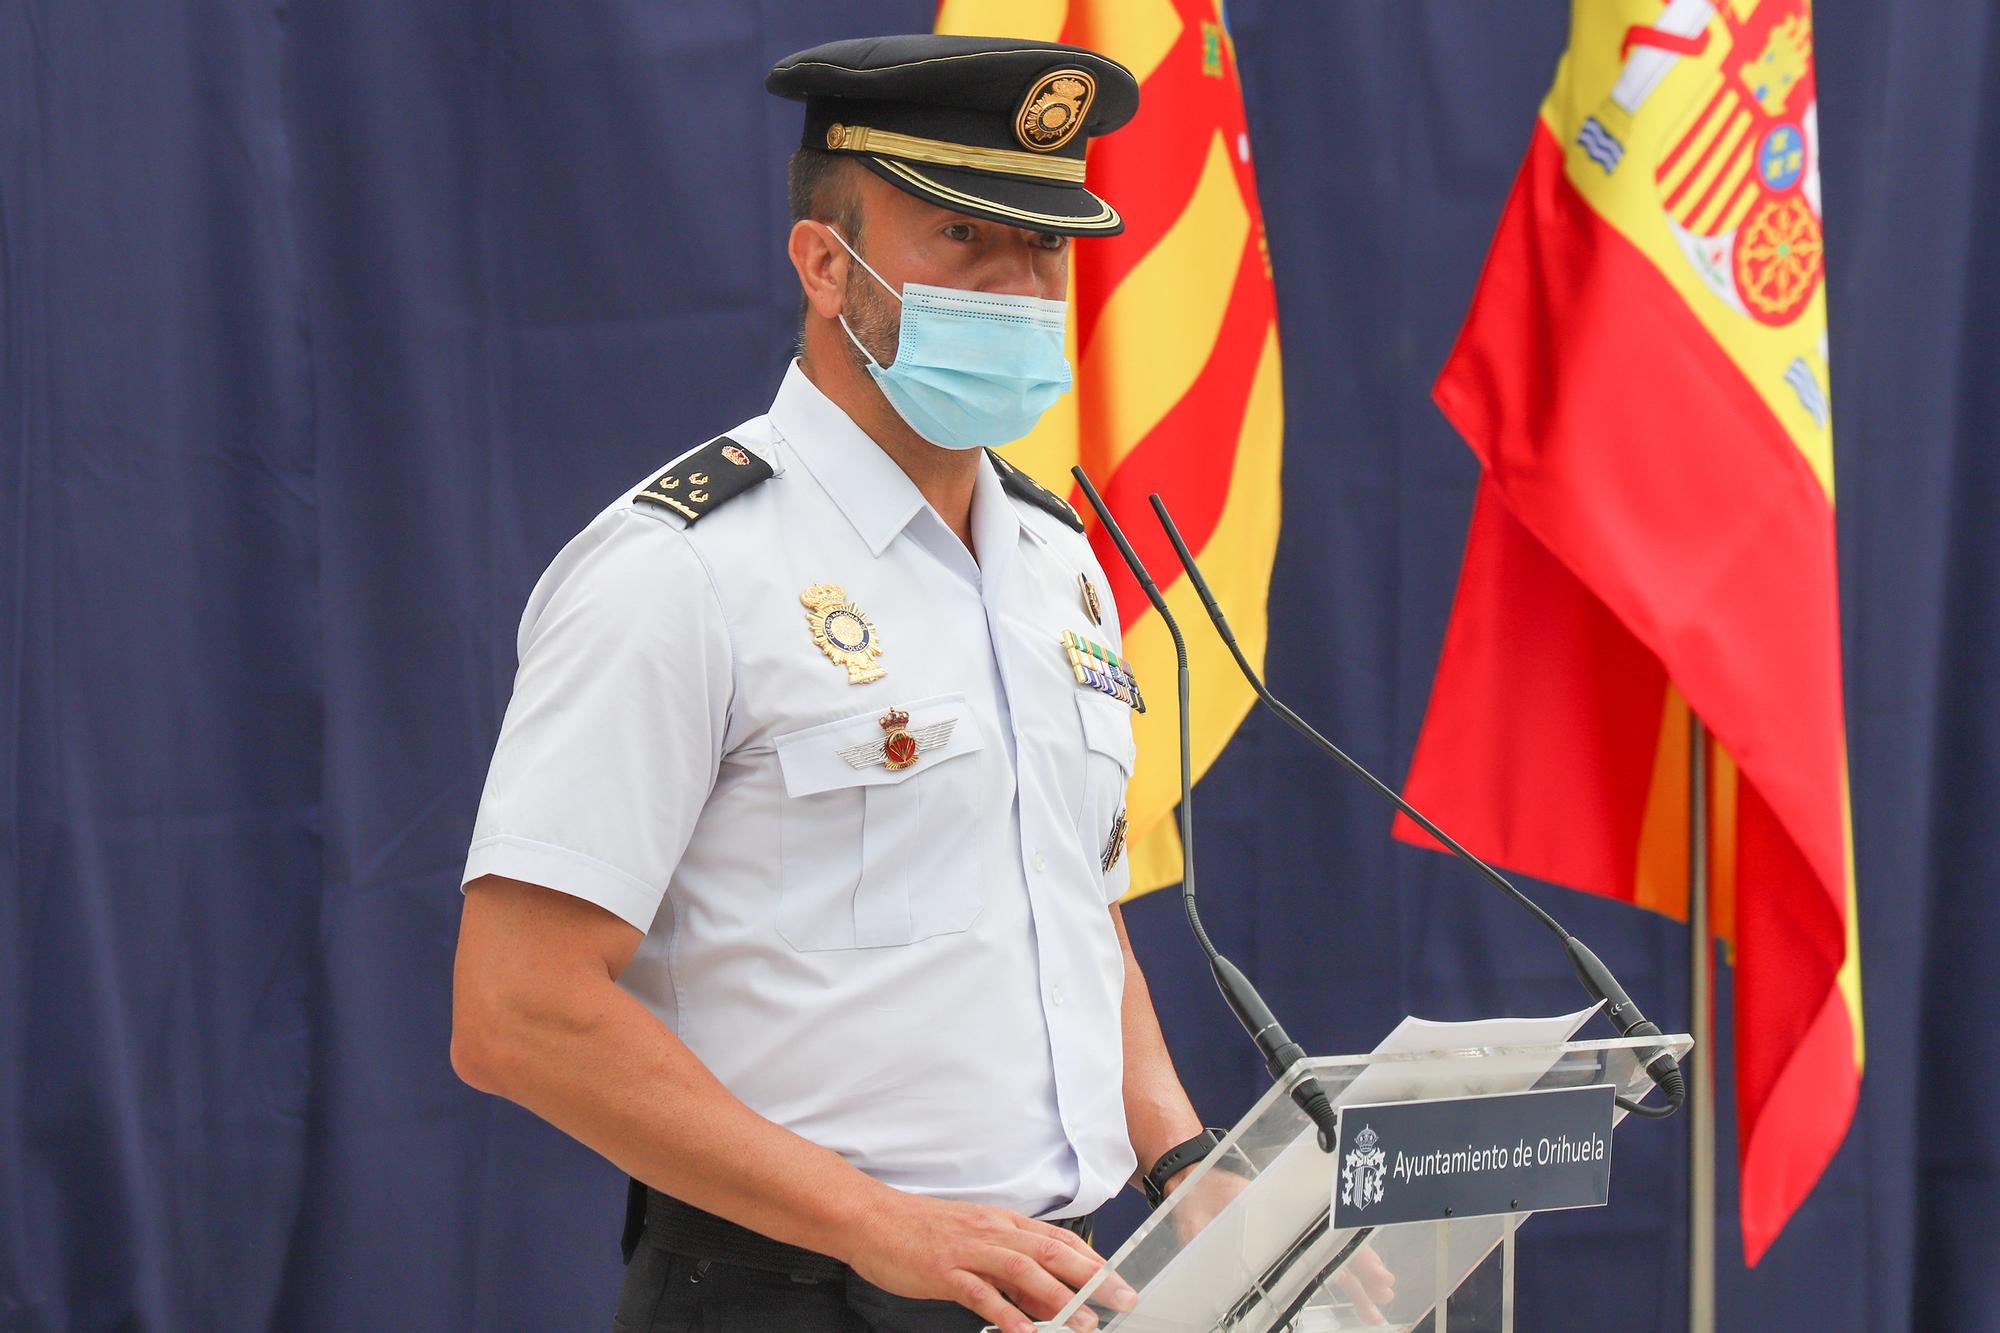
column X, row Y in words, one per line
column 1114, row 846
column 1100, row 669
column 842, row 632
column 899, row 747
column 704, row 478
column 1091, row 606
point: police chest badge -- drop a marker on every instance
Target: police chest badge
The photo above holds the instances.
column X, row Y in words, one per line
column 842, row 632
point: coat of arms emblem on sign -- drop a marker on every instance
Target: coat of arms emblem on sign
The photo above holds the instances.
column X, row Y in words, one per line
column 1361, row 1172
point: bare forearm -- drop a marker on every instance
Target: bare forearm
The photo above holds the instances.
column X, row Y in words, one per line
column 566, row 1042
column 538, row 1018
column 1158, row 1114
column 620, row 1083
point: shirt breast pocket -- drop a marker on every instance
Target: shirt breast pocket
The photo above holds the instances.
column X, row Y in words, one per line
column 872, row 855
column 1109, row 752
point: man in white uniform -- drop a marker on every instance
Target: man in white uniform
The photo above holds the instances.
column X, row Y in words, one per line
column 793, row 891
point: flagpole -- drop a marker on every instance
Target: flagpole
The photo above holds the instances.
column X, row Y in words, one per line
column 1701, row 992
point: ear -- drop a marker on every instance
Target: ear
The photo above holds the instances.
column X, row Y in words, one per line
column 821, row 265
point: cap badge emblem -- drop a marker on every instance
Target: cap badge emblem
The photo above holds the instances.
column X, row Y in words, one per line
column 1054, row 110
column 842, row 632
column 900, row 746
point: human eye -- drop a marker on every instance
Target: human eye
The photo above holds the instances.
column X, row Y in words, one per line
column 1048, row 240
column 958, row 231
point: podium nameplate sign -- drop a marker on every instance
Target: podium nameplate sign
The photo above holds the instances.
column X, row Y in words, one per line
column 1429, row 1161
column 1249, row 1242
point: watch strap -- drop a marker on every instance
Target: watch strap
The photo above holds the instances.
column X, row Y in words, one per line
column 1176, row 1160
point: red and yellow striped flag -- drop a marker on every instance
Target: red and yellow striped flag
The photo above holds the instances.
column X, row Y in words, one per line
column 1174, row 336
column 1644, row 376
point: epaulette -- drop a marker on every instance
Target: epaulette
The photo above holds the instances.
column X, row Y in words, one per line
column 1024, row 487
column 704, row 478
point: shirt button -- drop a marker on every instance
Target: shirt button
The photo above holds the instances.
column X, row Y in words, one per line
column 1056, row 997
column 1041, row 862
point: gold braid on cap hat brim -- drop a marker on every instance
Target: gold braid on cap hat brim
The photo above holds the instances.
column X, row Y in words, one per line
column 1006, row 161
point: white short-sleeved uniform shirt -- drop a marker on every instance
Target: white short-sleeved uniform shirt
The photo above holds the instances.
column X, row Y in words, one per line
column 915, row 968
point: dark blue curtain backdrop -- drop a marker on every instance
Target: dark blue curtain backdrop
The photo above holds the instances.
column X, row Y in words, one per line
column 326, row 324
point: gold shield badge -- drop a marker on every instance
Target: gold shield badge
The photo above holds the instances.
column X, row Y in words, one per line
column 842, row 632
column 1054, row 109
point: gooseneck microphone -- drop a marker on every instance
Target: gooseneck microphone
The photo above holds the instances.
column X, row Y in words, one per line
column 1280, row 1052
column 1596, row 977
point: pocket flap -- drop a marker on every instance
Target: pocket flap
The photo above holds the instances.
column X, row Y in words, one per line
column 1107, row 727
column 848, row 752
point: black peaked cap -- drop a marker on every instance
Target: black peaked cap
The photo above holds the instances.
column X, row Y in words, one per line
column 987, row 126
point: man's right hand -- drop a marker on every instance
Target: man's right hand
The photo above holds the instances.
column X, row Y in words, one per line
column 995, row 1263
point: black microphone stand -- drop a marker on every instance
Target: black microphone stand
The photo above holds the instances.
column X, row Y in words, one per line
column 1280, row 1052
column 1590, row 971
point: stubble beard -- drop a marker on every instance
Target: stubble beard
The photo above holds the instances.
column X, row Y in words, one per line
column 873, row 317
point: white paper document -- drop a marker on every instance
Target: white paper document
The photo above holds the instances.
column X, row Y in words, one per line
column 1424, row 1036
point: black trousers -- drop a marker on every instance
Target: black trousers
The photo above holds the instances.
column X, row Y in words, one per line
column 687, row 1271
column 666, row 1292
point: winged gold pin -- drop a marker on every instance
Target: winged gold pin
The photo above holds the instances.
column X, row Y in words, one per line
column 901, row 744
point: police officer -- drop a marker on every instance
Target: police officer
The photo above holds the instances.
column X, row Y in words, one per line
column 793, row 889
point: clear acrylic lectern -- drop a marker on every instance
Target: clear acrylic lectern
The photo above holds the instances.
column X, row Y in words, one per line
column 1247, row 1243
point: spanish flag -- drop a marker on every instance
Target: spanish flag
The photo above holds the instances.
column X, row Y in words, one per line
column 1643, row 375
column 1174, row 334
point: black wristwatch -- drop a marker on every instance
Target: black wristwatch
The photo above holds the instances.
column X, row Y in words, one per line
column 1176, row 1160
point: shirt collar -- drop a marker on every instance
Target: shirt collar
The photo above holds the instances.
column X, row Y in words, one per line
column 869, row 487
column 996, row 528
column 877, row 496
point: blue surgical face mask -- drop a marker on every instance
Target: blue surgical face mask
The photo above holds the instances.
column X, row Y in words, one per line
column 971, row 368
